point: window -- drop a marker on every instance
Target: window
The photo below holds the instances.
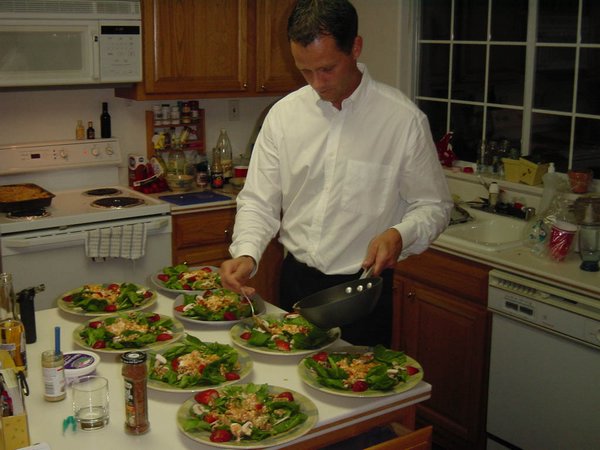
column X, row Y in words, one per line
column 526, row 71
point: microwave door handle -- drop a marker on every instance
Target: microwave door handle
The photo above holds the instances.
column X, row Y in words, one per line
column 95, row 56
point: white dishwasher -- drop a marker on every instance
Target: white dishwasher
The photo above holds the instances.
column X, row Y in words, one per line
column 544, row 384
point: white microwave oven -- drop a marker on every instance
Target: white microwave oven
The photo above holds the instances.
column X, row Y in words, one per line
column 70, row 42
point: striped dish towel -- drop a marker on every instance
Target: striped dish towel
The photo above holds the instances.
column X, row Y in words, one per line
column 124, row 241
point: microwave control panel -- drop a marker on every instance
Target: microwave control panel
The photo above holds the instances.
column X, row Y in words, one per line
column 120, row 53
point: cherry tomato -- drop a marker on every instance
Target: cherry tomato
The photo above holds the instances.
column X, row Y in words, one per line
column 228, row 315
column 320, row 357
column 113, row 287
column 206, row 397
column 282, row 345
column 163, row 277
column 191, row 279
column 287, row 395
column 147, row 294
column 209, row 418
column 360, row 386
column 99, row 344
column 179, row 308
column 187, row 287
column 68, row 298
column 411, row 370
column 258, row 406
column 221, row 436
column 175, row 364
column 110, row 308
column 230, row 376
column 201, row 367
column 207, row 269
column 154, row 318
column 95, row 324
column 246, row 335
column 164, row 337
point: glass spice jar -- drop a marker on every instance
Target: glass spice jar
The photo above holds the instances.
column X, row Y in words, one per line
column 134, row 372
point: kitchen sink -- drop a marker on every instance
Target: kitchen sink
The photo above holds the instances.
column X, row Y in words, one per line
column 486, row 231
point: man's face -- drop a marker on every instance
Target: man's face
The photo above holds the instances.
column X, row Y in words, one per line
column 329, row 71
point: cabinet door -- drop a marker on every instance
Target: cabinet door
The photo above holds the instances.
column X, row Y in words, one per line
column 195, row 46
column 275, row 67
column 448, row 336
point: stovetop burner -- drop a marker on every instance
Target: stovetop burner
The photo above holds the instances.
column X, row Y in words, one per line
column 29, row 214
column 102, row 192
column 117, row 202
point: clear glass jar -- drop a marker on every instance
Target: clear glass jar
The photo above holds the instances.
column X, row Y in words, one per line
column 53, row 369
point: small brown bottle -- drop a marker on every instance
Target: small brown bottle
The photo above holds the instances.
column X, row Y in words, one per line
column 136, row 397
column 91, row 133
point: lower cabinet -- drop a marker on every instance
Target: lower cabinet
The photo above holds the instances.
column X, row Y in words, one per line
column 441, row 320
column 203, row 238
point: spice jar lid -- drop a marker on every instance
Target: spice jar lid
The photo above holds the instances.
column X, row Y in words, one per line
column 133, row 357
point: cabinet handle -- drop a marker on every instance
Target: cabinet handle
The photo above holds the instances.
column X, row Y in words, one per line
column 411, row 295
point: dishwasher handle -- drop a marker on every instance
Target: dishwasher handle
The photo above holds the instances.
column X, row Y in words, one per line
column 68, row 237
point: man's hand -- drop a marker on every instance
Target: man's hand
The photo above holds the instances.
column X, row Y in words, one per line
column 236, row 272
column 384, row 251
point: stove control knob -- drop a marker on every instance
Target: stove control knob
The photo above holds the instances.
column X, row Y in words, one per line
column 109, row 150
column 63, row 153
column 95, row 152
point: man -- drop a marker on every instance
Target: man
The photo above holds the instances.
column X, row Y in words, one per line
column 344, row 168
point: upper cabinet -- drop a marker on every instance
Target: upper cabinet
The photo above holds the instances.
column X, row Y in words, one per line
column 215, row 48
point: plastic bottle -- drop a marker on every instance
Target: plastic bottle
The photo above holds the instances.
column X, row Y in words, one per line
column 216, row 170
column 105, row 131
column 79, row 130
column 224, row 148
column 12, row 330
column 552, row 182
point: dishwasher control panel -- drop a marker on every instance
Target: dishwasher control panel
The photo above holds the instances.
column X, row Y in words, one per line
column 558, row 311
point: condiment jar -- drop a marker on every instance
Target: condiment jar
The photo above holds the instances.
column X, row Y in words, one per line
column 134, row 372
column 53, row 368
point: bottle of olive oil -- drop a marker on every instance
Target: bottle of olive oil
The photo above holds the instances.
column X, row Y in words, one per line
column 12, row 330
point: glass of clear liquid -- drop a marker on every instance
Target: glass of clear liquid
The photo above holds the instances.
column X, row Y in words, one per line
column 90, row 402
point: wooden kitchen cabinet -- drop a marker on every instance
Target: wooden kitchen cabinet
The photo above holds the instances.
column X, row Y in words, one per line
column 203, row 238
column 214, row 48
column 441, row 320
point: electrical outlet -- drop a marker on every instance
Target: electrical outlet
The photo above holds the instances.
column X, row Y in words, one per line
column 234, row 110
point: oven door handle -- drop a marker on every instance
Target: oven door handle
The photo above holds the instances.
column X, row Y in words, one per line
column 73, row 236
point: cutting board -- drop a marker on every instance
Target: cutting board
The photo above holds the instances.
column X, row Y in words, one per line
column 194, row 198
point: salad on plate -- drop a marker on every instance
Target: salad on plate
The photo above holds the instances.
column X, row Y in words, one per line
column 361, row 371
column 282, row 333
column 184, row 279
column 94, row 299
column 219, row 305
column 191, row 364
column 124, row 331
column 247, row 416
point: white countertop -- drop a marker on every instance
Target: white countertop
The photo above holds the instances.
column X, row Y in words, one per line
column 45, row 418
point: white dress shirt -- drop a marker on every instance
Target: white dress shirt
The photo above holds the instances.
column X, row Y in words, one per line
column 337, row 178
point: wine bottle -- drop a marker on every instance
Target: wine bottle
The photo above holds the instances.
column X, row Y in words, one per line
column 105, row 131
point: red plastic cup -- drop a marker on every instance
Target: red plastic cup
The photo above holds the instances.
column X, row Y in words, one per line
column 561, row 238
column 240, row 171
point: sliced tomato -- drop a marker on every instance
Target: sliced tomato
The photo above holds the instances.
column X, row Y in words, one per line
column 191, row 279
column 221, row 436
column 246, row 335
column 179, row 308
column 68, row 298
column 210, row 418
column 207, row 269
column 154, row 318
column 163, row 277
column 99, row 344
column 228, row 315
column 110, row 308
column 286, row 395
column 231, row 376
column 411, row 370
column 164, row 337
column 207, row 397
column 113, row 287
column 320, row 357
column 187, row 287
column 175, row 364
column 147, row 294
column 282, row 345
column 360, row 386
column 201, row 367
column 95, row 324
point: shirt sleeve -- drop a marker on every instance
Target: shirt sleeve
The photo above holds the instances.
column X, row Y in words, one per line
column 425, row 189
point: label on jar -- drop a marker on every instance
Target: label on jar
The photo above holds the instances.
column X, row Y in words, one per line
column 54, row 382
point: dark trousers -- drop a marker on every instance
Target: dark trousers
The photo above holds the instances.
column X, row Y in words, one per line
column 299, row 280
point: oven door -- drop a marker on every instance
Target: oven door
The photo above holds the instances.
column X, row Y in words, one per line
column 57, row 259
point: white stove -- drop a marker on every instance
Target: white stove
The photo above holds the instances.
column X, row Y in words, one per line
column 54, row 248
